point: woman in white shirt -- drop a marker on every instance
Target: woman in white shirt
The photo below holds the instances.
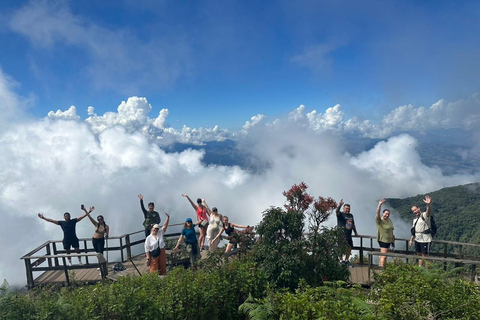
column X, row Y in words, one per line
column 155, row 248
column 213, row 227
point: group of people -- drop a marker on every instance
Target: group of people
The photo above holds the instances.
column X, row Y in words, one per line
column 421, row 234
column 70, row 239
column 211, row 225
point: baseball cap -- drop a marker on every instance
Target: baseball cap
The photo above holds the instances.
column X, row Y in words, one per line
column 188, row 220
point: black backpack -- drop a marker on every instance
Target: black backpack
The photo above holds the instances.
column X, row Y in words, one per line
column 432, row 230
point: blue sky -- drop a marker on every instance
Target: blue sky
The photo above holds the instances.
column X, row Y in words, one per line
column 221, row 62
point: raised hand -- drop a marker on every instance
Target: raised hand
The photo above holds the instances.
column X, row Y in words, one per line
column 168, row 216
column 427, row 199
column 140, row 197
column 41, row 216
column 382, row 201
column 184, row 195
column 91, row 209
column 341, row 203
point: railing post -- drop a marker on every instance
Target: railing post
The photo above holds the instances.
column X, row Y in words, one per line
column 28, row 268
column 129, row 250
column 67, row 279
column 48, row 254
column 55, row 253
column 121, row 250
column 86, row 251
column 361, row 250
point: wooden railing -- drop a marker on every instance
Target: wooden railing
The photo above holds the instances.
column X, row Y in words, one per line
column 52, row 253
column 439, row 248
column 473, row 263
column 55, row 256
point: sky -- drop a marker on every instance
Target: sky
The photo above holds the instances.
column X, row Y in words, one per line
column 92, row 94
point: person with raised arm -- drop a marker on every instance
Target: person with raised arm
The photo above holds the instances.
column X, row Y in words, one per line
column 202, row 219
column 69, row 233
column 385, row 228
column 101, row 231
column 155, row 248
column 229, row 228
column 188, row 233
column 421, row 230
column 151, row 216
column 347, row 223
column 213, row 228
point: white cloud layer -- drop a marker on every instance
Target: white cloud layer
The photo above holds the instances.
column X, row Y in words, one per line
column 53, row 165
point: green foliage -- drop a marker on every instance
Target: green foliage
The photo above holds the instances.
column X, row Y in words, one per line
column 405, row 291
column 287, row 255
column 326, row 302
column 182, row 294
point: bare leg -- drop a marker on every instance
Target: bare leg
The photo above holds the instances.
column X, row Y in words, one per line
column 68, row 252
column 77, row 250
column 201, row 239
column 383, row 258
column 229, row 247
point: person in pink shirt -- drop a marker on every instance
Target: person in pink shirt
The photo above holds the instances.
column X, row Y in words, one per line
column 202, row 218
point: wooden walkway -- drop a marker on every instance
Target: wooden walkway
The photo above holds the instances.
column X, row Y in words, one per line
column 49, row 260
column 79, row 274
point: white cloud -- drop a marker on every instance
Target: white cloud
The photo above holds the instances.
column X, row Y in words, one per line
column 462, row 114
column 117, row 58
column 70, row 114
column 316, row 57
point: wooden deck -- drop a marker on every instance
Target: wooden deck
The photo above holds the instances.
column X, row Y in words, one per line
column 89, row 274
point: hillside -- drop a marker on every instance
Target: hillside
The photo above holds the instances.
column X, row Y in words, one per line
column 456, row 211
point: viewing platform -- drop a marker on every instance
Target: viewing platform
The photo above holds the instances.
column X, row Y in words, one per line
column 50, row 259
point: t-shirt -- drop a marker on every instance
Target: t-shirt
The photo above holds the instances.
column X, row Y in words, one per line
column 421, row 226
column 151, row 218
column 384, row 230
column 68, row 228
column 190, row 235
column 151, row 243
column 346, row 221
column 201, row 214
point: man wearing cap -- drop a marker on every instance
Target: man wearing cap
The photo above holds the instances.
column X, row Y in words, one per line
column 151, row 217
column 155, row 248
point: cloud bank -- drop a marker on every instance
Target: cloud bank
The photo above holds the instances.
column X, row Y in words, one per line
column 54, row 164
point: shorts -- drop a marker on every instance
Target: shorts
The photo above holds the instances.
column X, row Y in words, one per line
column 422, row 247
column 67, row 242
column 384, row 244
column 349, row 242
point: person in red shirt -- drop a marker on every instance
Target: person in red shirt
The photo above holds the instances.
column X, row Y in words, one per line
column 202, row 218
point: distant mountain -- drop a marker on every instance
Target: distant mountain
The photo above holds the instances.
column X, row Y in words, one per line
column 456, row 211
column 441, row 148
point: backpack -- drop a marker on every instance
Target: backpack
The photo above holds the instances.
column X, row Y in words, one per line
column 433, row 226
column 119, row 267
column 432, row 230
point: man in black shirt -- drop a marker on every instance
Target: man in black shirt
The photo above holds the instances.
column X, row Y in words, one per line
column 347, row 223
column 69, row 235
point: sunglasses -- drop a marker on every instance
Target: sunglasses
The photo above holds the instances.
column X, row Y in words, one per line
column 189, row 221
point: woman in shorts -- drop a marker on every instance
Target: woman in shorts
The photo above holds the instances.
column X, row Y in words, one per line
column 385, row 236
